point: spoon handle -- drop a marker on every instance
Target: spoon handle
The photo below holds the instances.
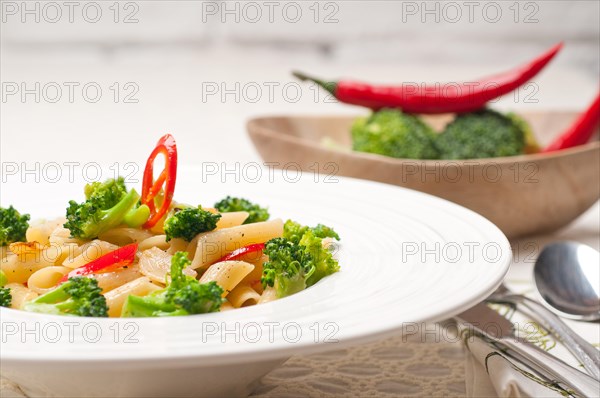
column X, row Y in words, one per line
column 578, row 346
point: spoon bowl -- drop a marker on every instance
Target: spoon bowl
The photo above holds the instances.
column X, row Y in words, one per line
column 567, row 277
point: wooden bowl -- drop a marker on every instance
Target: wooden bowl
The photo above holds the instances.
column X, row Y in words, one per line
column 521, row 194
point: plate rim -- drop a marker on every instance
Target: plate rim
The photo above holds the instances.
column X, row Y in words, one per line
column 263, row 352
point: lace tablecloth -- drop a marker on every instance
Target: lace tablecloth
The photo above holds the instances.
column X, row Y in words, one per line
column 421, row 364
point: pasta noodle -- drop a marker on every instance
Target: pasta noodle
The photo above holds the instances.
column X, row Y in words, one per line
column 254, row 277
column 111, row 280
column 123, row 235
column 226, row 306
column 212, row 246
column 232, row 219
column 89, row 252
column 176, row 245
column 20, row 295
column 46, row 279
column 18, row 268
column 227, row 274
column 115, row 298
column 42, row 230
column 159, row 241
column 243, row 295
column 156, row 264
column 60, row 236
column 268, row 295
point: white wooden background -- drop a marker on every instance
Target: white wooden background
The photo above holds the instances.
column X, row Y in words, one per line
column 174, row 51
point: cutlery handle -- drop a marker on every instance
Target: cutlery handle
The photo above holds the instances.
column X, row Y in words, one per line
column 552, row 367
column 579, row 347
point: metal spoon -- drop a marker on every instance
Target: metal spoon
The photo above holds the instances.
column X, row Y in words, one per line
column 567, row 276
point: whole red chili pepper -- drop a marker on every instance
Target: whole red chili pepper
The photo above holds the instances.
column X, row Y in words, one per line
column 115, row 259
column 150, row 188
column 445, row 98
column 580, row 131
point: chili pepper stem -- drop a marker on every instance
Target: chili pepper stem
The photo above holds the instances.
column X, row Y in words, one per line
column 329, row 86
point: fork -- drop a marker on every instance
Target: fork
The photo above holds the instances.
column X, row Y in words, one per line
column 586, row 353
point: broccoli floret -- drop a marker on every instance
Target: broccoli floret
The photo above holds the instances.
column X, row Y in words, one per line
column 256, row 213
column 3, row 279
column 394, row 133
column 5, row 297
column 294, row 231
column 184, row 295
column 482, row 134
column 107, row 205
column 189, row 222
column 323, row 259
column 13, row 226
column 78, row 296
column 288, row 268
column 298, row 259
column 531, row 144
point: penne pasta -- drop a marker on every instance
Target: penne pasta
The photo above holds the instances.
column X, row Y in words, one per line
column 212, row 246
column 227, row 274
column 177, row 245
column 159, row 241
column 268, row 295
column 156, row 265
column 46, row 279
column 60, row 236
column 111, row 280
column 122, row 236
column 89, row 252
column 226, row 306
column 20, row 295
column 19, row 268
column 115, row 298
column 253, row 279
column 232, row 219
column 243, row 295
column 41, row 230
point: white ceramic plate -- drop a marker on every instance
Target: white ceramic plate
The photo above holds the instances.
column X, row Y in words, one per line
column 405, row 257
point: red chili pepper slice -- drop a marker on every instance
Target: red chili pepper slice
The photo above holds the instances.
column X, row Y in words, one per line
column 116, row 259
column 150, row 189
column 580, row 131
column 234, row 255
column 439, row 98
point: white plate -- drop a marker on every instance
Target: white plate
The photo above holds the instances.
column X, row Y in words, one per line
column 405, row 257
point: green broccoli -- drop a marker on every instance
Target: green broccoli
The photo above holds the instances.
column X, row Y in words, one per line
column 3, row 279
column 5, row 296
column 298, row 259
column 322, row 257
column 13, row 226
column 107, row 205
column 294, row 231
column 184, row 295
column 482, row 134
column 288, row 268
column 393, row 133
column 78, row 296
column 531, row 144
column 189, row 222
column 256, row 213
